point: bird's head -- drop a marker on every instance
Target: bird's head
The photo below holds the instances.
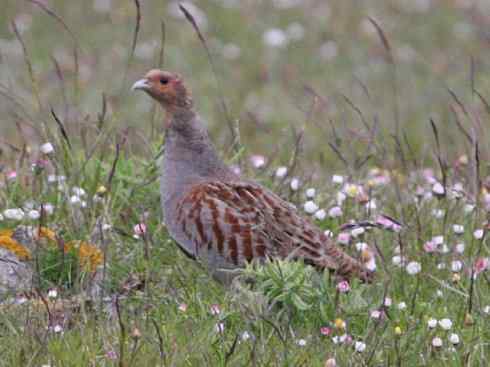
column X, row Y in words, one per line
column 166, row 88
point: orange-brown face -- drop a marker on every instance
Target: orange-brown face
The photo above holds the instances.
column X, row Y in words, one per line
column 165, row 87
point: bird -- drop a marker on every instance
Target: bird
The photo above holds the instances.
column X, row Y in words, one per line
column 219, row 218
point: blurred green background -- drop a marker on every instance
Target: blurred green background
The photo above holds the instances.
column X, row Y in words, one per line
column 283, row 65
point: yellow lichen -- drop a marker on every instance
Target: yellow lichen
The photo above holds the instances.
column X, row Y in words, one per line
column 16, row 248
column 6, row 232
column 45, row 232
column 88, row 254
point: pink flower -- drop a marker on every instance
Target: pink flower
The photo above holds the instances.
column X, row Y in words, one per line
column 183, row 307
column 139, row 229
column 343, row 238
column 343, row 286
column 111, row 355
column 11, row 175
column 325, row 330
column 481, row 264
column 388, row 223
column 430, row 246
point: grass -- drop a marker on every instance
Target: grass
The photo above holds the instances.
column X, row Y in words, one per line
column 396, row 106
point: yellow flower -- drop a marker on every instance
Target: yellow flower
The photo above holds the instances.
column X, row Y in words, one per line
column 398, row 330
column 16, row 248
column 339, row 323
column 88, row 254
column 101, row 190
column 352, row 190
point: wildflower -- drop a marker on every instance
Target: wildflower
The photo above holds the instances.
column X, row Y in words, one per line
column 398, row 330
column 57, row 328
column 468, row 208
column 456, row 266
column 459, row 248
column 47, row 148
column 219, row 327
column 360, row 347
column 478, row 234
column 294, row 184
column 111, row 355
column 352, row 190
column 438, row 213
column 430, row 246
column 48, row 208
column 481, row 264
column 446, row 324
column 335, row 212
column 14, row 214
column 258, row 161
column 11, row 175
column 275, row 37
column 402, row 306
column 456, row 277
column 398, row 260
column 325, row 330
column 328, row 233
column 361, row 246
column 215, row 310
column 52, row 293
column 337, row 179
column 454, row 339
column 78, row 191
column 301, row 342
column 356, row 232
column 413, row 268
column 438, row 240
column 343, row 238
column 139, row 229
column 339, row 323
column 438, row 189
column 183, row 307
column 310, row 193
column 245, row 336
column 376, row 314
column 343, row 286
column 320, row 214
column 310, row 207
column 330, row 363
column 441, row 266
column 33, row 214
column 486, row 309
column 437, row 342
column 371, row 205
column 458, row 229
column 432, row 323
column 340, row 197
column 136, row 333
column 388, row 302
column 370, row 264
column 388, row 223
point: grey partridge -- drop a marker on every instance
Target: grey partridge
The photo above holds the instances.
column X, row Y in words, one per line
column 218, row 217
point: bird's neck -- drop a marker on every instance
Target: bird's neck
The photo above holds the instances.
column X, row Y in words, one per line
column 190, row 156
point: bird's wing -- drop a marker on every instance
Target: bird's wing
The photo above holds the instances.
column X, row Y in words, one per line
column 242, row 221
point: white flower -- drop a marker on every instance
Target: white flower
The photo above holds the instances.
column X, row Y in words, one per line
column 352, row 190
column 446, row 324
column 301, row 342
column 478, row 234
column 396, row 260
column 361, row 246
column 356, row 232
column 320, row 214
column 245, row 336
column 219, row 327
column 335, row 339
column 438, row 189
column 47, row 148
column 58, row 328
column 402, row 306
column 438, row 240
column 33, row 214
column 310, row 193
column 14, row 214
column 432, row 323
column 48, row 208
column 275, row 37
column 74, row 199
column 413, row 267
column 454, row 339
column 371, row 264
column 294, row 184
column 437, row 342
column 335, row 212
column 281, row 172
column 441, row 266
column 310, row 207
column 328, row 233
column 1, row 217
column 258, row 161
column 486, row 309
column 468, row 208
column 388, row 302
column 52, row 293
column 78, row 191
column 458, row 229
column 341, row 198
column 438, row 213
column 456, row 266
column 439, row 293
column 375, row 314
column 459, row 248
column 360, row 347
column 337, row 179
column 371, row 205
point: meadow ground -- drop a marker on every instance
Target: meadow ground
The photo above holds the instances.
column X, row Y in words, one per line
column 358, row 112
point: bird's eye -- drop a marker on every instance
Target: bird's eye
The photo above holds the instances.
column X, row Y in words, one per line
column 163, row 81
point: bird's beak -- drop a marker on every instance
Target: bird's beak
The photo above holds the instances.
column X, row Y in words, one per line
column 141, row 84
